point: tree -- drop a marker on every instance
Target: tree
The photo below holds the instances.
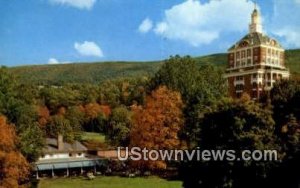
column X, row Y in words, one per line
column 56, row 97
column 119, row 126
column 60, row 125
column 44, row 115
column 76, row 118
column 92, row 113
column 14, row 168
column 233, row 125
column 157, row 124
column 199, row 86
column 16, row 104
column 285, row 97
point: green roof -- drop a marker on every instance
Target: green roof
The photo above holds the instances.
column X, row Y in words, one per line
column 254, row 39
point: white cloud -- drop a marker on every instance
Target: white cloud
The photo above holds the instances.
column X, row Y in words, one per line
column 53, row 61
column 145, row 26
column 284, row 23
column 201, row 23
column 88, row 48
column 80, row 4
column 290, row 34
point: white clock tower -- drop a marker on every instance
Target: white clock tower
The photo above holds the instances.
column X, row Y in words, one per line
column 255, row 25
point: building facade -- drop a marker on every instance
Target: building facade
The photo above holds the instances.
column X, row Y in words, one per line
column 64, row 159
column 255, row 62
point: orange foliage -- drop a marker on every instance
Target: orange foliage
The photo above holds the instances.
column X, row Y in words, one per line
column 156, row 125
column 44, row 115
column 92, row 110
column 61, row 111
column 106, row 110
column 13, row 166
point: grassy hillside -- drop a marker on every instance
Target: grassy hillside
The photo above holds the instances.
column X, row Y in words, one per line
column 97, row 72
column 83, row 72
column 293, row 61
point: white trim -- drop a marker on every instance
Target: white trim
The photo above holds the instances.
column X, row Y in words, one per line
column 285, row 73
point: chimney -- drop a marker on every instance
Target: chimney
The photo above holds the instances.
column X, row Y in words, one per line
column 60, row 142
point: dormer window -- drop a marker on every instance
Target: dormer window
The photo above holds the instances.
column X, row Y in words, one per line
column 243, row 44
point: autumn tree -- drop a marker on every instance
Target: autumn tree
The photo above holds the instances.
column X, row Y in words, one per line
column 94, row 114
column 14, row 168
column 44, row 115
column 157, row 124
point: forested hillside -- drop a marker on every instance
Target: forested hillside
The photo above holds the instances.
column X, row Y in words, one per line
column 100, row 71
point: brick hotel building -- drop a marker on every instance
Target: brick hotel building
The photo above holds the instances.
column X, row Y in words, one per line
column 255, row 62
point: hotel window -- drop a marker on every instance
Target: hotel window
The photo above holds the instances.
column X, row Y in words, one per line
column 238, row 55
column 239, row 87
column 243, row 54
column 239, row 78
column 254, row 75
column 255, row 50
column 248, row 53
column 243, row 63
column 249, row 62
column 238, row 63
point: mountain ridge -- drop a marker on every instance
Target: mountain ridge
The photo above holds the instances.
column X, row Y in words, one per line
column 95, row 72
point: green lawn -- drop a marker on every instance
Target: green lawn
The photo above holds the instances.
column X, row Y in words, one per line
column 109, row 182
column 93, row 136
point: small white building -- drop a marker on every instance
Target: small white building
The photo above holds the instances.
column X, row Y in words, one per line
column 61, row 157
column 58, row 149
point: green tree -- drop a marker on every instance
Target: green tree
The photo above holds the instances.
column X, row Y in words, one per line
column 16, row 103
column 285, row 97
column 76, row 118
column 199, row 86
column 119, row 126
column 60, row 125
column 233, row 125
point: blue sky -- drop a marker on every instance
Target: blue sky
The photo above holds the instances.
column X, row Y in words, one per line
column 63, row 31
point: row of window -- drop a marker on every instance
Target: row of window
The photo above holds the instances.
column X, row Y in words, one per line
column 241, row 87
column 260, row 75
column 70, row 155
